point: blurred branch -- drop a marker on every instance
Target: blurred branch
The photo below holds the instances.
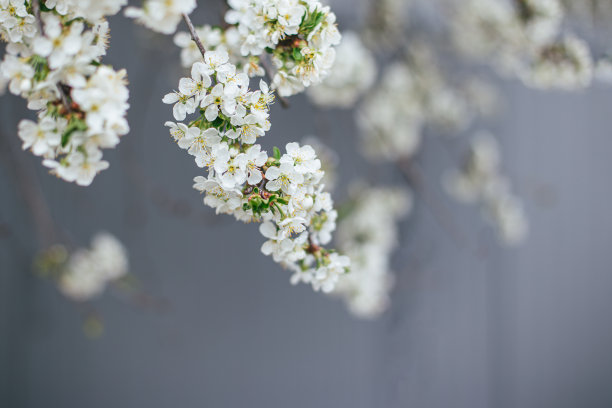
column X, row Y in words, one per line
column 414, row 176
column 29, row 187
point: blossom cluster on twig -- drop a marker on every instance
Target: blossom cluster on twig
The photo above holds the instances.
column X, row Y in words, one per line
column 282, row 191
column 53, row 60
column 297, row 36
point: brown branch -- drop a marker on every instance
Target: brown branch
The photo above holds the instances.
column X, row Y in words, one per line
column 194, row 35
column 264, row 63
column 64, row 97
column 36, row 10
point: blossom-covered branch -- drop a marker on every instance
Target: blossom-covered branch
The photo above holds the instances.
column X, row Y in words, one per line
column 297, row 35
column 283, row 191
column 54, row 61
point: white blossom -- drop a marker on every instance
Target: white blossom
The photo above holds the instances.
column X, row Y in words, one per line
column 41, row 137
column 181, row 104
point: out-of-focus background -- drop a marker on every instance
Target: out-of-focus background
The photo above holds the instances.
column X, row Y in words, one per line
column 471, row 324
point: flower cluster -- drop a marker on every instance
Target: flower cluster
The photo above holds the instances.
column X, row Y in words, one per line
column 412, row 94
column 298, row 34
column 283, row 192
column 353, row 73
column 368, row 234
column 81, row 104
column 523, row 38
column 479, row 181
column 84, row 274
column 162, row 16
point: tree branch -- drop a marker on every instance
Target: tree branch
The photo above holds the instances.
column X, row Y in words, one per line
column 194, row 35
column 36, row 10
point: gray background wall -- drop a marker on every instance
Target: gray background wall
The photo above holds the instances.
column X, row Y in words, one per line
column 472, row 325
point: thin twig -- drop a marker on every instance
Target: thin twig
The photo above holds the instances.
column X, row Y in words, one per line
column 63, row 97
column 196, row 39
column 414, row 176
column 194, row 35
column 36, row 10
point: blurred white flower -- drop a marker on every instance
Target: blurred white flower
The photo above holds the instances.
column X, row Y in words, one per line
column 353, row 72
column 368, row 234
column 566, row 64
column 161, row 15
column 479, row 181
column 89, row 271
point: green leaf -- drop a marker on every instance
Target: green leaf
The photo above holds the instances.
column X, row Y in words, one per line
column 309, row 23
column 297, row 54
column 69, row 22
column 73, row 126
column 41, row 69
column 43, row 7
column 218, row 122
column 277, row 153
